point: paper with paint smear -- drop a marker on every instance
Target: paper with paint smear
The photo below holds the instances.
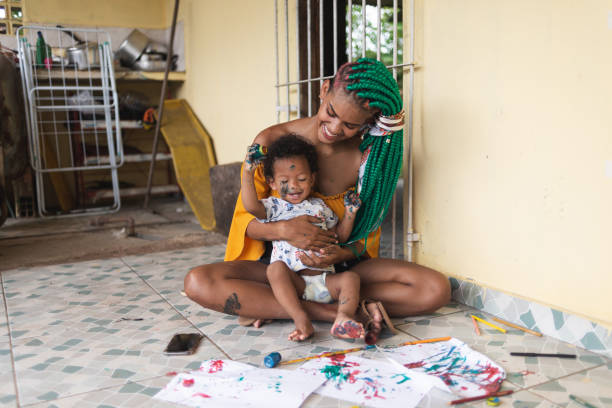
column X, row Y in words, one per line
column 227, row 383
column 458, row 368
column 366, row 382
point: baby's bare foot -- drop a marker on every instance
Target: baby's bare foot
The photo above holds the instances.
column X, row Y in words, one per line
column 303, row 330
column 346, row 327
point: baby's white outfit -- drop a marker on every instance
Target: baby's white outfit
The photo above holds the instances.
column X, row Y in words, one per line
column 278, row 209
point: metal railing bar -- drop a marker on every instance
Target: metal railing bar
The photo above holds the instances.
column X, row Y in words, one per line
column 277, row 57
column 321, row 45
column 378, row 30
column 303, row 81
column 287, row 57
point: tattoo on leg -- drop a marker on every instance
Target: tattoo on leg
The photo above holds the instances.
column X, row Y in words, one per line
column 232, row 305
column 343, row 301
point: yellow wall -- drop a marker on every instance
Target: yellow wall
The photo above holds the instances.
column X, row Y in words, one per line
column 513, row 139
column 115, row 13
column 230, row 70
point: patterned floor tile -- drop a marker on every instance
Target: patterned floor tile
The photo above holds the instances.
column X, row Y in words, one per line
column 131, row 394
column 240, row 342
column 180, row 261
column 3, row 321
column 7, row 385
column 51, row 367
column 85, row 309
column 555, row 323
column 522, row 371
column 452, row 307
column 593, row 386
column 72, row 347
column 57, row 278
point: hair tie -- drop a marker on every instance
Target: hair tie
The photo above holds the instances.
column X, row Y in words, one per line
column 385, row 125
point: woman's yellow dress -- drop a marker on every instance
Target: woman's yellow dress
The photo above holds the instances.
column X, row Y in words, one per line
column 241, row 247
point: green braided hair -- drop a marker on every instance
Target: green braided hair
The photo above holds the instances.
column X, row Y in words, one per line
column 370, row 82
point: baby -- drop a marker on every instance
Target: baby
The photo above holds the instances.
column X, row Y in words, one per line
column 290, row 166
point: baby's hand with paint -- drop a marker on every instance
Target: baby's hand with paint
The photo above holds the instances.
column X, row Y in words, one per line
column 255, row 154
column 352, row 202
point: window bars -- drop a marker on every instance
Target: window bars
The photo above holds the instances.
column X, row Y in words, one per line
column 72, row 117
column 317, row 54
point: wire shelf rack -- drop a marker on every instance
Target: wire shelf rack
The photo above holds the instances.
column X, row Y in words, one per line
column 72, row 113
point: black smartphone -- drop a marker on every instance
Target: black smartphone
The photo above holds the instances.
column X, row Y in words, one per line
column 183, row 344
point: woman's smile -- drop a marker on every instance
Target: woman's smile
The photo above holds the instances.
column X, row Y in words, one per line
column 328, row 134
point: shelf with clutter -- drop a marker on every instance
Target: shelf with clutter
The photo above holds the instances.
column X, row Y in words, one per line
column 70, row 73
column 91, row 115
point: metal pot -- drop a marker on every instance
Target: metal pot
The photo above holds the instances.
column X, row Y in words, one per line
column 132, row 48
column 83, row 55
column 154, row 62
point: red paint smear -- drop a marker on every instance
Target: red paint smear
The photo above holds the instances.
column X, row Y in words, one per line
column 171, row 373
column 374, row 386
column 351, row 378
column 527, row 372
column 188, row 383
column 201, row 394
column 416, row 364
column 491, row 371
column 349, row 328
column 216, row 365
column 338, row 360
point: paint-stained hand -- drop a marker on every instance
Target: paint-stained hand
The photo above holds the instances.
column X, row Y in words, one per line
column 352, row 202
column 302, row 232
column 331, row 254
column 255, row 154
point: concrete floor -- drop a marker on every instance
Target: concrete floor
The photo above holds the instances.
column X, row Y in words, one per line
column 91, row 334
column 168, row 224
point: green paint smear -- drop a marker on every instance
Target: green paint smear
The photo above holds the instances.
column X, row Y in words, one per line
column 335, row 372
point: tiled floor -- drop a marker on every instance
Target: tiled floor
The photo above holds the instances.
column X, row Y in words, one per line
column 91, row 334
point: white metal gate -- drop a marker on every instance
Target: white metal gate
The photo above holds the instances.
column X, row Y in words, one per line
column 304, row 67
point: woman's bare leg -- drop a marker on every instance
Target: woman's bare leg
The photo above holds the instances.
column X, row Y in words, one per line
column 241, row 288
column 404, row 288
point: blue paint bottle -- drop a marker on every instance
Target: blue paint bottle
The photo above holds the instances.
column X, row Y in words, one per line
column 272, row 359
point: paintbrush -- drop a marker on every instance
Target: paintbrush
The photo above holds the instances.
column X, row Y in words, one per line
column 330, row 353
column 351, row 350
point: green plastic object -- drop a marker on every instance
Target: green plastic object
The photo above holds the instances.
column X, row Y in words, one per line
column 43, row 52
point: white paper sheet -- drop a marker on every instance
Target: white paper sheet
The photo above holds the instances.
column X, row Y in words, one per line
column 227, row 383
column 460, row 369
column 371, row 383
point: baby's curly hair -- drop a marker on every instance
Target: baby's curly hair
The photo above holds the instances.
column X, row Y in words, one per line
column 290, row 145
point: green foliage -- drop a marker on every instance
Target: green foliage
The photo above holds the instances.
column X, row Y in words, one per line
column 386, row 41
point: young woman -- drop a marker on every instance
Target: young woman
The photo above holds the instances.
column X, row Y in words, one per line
column 358, row 138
